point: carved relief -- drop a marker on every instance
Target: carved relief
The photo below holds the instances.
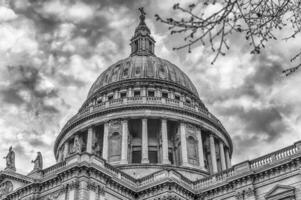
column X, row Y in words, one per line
column 54, row 196
column 114, row 124
column 5, row 188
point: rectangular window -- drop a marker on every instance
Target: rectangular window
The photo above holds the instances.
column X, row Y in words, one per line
column 177, row 97
column 153, row 156
column 151, row 93
column 123, row 95
column 136, row 156
column 170, row 157
column 136, row 93
column 125, row 72
column 138, row 69
column 188, row 101
column 110, row 97
column 164, row 94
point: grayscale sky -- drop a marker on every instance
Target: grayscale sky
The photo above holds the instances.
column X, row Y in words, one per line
column 51, row 52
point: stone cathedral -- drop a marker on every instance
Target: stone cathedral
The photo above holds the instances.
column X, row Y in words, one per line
column 143, row 133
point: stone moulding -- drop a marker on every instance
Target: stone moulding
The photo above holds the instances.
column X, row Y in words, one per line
column 243, row 175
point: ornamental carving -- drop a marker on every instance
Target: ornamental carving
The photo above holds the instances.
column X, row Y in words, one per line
column 5, row 188
column 54, row 196
column 250, row 192
column 115, row 123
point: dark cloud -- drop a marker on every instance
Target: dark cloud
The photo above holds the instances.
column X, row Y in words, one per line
column 93, row 30
column 37, row 143
column 24, row 88
column 265, row 123
column 260, row 123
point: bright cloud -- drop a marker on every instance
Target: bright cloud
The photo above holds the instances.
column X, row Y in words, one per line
column 52, row 51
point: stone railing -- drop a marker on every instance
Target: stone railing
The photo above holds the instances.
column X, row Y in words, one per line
column 250, row 166
column 214, row 179
column 53, row 168
column 146, row 100
column 275, row 156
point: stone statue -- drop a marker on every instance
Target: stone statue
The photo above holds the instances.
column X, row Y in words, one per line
column 96, row 149
column 77, row 145
column 10, row 159
column 38, row 162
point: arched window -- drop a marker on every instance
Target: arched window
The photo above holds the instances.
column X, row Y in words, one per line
column 192, row 150
column 115, row 147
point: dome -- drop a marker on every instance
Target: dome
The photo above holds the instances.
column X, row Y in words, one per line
column 143, row 67
column 143, row 114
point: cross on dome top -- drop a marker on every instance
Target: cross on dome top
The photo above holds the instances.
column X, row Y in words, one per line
column 142, row 43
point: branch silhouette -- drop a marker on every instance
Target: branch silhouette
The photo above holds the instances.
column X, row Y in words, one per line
column 257, row 20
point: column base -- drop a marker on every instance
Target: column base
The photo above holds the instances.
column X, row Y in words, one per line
column 124, row 162
column 166, row 162
column 145, row 161
column 186, row 164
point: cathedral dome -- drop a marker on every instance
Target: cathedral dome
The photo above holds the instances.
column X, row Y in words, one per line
column 143, row 114
column 143, row 67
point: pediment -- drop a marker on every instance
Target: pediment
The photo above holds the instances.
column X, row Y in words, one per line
column 280, row 190
column 11, row 181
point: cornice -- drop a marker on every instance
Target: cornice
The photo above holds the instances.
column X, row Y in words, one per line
column 97, row 113
column 105, row 176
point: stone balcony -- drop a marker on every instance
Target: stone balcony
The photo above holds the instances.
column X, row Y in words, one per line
column 144, row 101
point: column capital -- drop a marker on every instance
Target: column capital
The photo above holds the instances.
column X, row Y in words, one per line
column 124, row 120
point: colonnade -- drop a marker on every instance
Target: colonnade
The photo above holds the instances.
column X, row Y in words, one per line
column 223, row 152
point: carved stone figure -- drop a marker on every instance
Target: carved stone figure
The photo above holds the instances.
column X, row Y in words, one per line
column 5, row 188
column 10, row 159
column 96, row 149
column 77, row 145
column 38, row 162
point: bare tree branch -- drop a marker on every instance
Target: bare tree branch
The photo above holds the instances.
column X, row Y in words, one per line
column 257, row 20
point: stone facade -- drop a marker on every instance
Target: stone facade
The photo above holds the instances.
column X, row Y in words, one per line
column 144, row 133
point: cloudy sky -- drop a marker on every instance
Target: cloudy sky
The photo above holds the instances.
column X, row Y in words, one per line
column 51, row 52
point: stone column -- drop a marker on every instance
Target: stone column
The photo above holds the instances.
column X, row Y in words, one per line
column 228, row 160
column 90, row 138
column 200, row 147
column 60, row 156
column 66, row 149
column 183, row 144
column 222, row 155
column 105, row 141
column 165, row 159
column 130, row 92
column 124, row 144
column 144, row 141
column 213, row 154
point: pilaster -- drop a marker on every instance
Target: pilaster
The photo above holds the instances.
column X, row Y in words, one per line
column 222, row 155
column 213, row 154
column 105, row 141
column 124, row 144
column 200, row 148
column 165, row 159
column 66, row 149
column 144, row 141
column 90, row 138
column 183, row 144
column 228, row 160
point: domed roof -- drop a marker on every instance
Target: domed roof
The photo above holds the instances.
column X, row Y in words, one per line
column 141, row 67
